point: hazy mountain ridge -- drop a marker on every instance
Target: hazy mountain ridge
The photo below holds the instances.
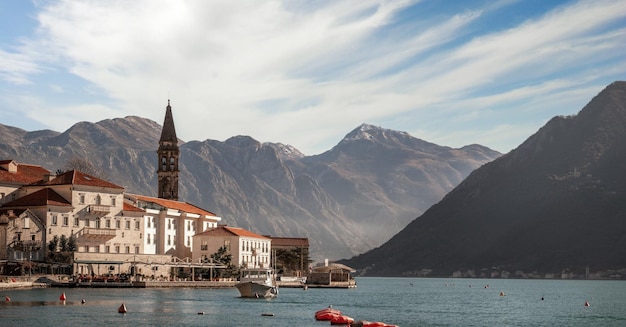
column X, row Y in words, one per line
column 556, row 203
column 346, row 200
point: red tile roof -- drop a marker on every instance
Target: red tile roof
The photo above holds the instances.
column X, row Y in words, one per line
column 177, row 205
column 25, row 174
column 43, row 197
column 75, row 177
column 130, row 207
column 231, row 231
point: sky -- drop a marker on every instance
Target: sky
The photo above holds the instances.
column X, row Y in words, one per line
column 306, row 73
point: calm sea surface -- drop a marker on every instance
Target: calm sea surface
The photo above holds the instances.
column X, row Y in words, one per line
column 400, row 301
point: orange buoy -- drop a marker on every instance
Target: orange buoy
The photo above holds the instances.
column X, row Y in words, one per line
column 587, row 304
column 62, row 297
column 122, row 308
column 6, row 298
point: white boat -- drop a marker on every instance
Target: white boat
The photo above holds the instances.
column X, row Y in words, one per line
column 257, row 283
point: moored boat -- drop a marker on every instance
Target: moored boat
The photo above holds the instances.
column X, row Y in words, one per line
column 257, row 283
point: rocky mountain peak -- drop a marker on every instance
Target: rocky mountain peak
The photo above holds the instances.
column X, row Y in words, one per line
column 285, row 151
column 242, row 141
column 554, row 204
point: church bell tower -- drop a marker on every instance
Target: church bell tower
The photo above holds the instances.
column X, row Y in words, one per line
column 168, row 153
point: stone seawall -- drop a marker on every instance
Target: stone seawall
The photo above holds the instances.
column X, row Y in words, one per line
column 188, row 284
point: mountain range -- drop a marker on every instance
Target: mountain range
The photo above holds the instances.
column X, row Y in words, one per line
column 555, row 205
column 346, row 200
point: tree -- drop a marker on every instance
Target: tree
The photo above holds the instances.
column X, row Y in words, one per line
column 63, row 243
column 71, row 244
column 222, row 256
column 289, row 259
column 52, row 246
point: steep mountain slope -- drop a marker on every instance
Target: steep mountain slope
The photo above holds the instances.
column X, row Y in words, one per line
column 387, row 177
column 346, row 201
column 556, row 203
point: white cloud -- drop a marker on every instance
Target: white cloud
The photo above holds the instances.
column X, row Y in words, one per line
column 293, row 73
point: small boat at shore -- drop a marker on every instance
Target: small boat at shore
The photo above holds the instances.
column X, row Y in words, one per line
column 257, row 283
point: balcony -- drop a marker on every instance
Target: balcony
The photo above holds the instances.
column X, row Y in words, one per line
column 96, row 234
column 26, row 246
column 98, row 209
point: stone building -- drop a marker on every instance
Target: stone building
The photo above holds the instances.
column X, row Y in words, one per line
column 248, row 249
column 103, row 229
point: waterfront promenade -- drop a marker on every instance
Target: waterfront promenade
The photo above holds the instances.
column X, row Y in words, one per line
column 12, row 282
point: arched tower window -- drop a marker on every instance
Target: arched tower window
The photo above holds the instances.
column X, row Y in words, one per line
column 172, row 162
column 163, row 163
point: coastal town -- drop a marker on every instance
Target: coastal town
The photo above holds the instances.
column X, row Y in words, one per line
column 71, row 228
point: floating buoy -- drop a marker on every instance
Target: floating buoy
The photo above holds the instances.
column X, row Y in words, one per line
column 587, row 304
column 201, row 312
column 268, row 314
column 6, row 298
column 62, row 297
column 502, row 293
column 83, row 301
column 542, row 298
column 122, row 308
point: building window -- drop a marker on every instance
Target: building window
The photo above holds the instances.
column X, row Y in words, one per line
column 136, row 250
column 127, row 248
column 128, row 224
column 98, row 200
column 172, row 163
column 188, row 240
column 54, row 220
column 188, row 225
column 97, row 222
column 117, row 224
column 148, row 239
column 107, row 223
column 169, row 239
column 117, row 249
column 81, row 199
column 76, row 221
column 107, row 248
column 169, row 224
column 204, row 246
column 26, row 222
column 66, row 221
column 113, row 201
column 137, row 225
column 227, row 244
column 163, row 164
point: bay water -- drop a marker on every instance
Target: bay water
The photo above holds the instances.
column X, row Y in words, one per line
column 398, row 301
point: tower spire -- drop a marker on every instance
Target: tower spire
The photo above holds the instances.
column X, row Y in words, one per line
column 168, row 154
